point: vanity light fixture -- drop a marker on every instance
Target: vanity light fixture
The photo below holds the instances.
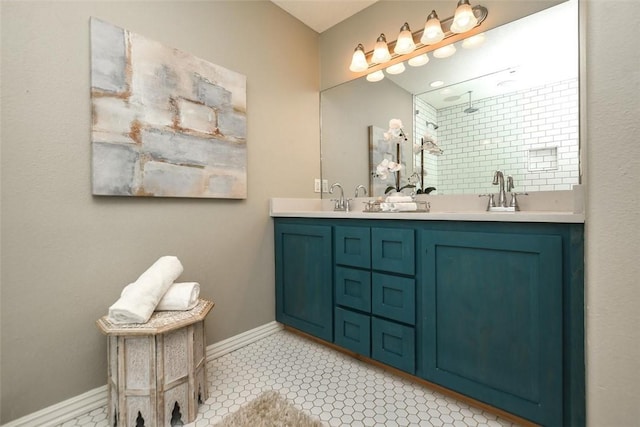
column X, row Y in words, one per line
column 434, row 32
column 418, row 61
column 396, row 68
column 464, row 19
column 359, row 61
column 473, row 41
column 381, row 51
column 405, row 43
column 375, row 76
column 444, row 51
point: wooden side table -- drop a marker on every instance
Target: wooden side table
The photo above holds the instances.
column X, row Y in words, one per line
column 157, row 370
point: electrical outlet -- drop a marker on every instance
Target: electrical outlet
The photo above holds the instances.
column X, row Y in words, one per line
column 325, row 186
column 316, row 185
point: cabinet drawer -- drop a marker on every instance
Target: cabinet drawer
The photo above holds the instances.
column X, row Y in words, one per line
column 393, row 250
column 353, row 246
column 353, row 288
column 394, row 297
column 393, row 344
column 353, row 331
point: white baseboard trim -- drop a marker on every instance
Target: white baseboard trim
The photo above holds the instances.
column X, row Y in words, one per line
column 97, row 398
column 238, row 341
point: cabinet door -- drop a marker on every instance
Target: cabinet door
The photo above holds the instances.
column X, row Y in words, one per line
column 393, row 344
column 394, row 297
column 353, row 288
column 304, row 286
column 393, row 250
column 353, row 246
column 492, row 312
column 353, row 331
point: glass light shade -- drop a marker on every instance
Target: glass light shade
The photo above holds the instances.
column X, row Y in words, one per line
column 419, row 60
column 376, row 76
column 405, row 43
column 473, row 41
column 396, row 68
column 444, row 51
column 381, row 51
column 358, row 61
column 464, row 19
column 432, row 30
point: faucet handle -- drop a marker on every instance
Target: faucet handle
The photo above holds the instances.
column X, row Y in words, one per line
column 514, row 200
column 492, row 202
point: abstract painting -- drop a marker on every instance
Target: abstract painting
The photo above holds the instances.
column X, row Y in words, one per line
column 164, row 122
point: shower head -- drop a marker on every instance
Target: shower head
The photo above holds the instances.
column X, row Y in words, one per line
column 470, row 109
column 435, row 126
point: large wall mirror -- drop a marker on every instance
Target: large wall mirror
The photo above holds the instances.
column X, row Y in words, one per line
column 509, row 102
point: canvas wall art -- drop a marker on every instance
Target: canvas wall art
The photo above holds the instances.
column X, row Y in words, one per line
column 164, row 123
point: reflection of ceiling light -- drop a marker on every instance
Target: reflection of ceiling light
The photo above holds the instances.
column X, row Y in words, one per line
column 464, row 19
column 358, row 62
column 419, row 60
column 405, row 43
column 445, row 91
column 452, row 98
column 381, row 51
column 376, row 76
column 396, row 68
column 473, row 41
column 507, row 84
column 432, row 30
column 436, row 83
column 445, row 51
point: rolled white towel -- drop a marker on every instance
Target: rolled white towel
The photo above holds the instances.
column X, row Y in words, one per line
column 179, row 297
column 406, row 207
column 398, row 199
column 145, row 293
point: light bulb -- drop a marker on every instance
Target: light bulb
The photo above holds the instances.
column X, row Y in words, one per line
column 432, row 30
column 358, row 61
column 444, row 51
column 405, row 43
column 464, row 19
column 381, row 51
column 396, row 68
column 419, row 60
column 375, row 76
column 473, row 41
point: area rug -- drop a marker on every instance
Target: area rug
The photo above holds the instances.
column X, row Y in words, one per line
column 269, row 409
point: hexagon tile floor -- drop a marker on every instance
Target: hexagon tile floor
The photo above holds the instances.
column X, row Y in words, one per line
column 333, row 387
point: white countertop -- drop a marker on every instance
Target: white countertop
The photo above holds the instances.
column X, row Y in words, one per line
column 323, row 208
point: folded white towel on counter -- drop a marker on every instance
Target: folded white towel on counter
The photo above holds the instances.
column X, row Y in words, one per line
column 398, row 199
column 406, row 207
column 145, row 293
column 179, row 297
column 398, row 207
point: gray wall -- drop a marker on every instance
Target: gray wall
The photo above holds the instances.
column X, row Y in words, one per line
column 610, row 162
column 65, row 254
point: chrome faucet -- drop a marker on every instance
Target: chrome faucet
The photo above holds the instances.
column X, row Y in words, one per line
column 498, row 179
column 340, row 203
column 364, row 190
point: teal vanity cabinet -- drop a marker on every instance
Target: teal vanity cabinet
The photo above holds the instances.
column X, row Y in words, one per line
column 375, row 293
column 304, row 295
column 491, row 310
column 492, row 307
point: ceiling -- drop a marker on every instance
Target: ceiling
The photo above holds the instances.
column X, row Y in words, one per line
column 321, row 15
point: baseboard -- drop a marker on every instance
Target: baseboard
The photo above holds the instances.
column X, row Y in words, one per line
column 97, row 398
